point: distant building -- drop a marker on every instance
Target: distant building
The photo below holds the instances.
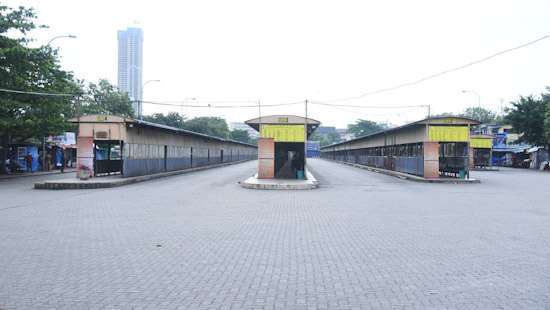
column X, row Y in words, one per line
column 497, row 131
column 325, row 130
column 242, row 126
column 130, row 65
column 345, row 135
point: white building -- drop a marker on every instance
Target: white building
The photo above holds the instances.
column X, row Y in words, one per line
column 130, row 65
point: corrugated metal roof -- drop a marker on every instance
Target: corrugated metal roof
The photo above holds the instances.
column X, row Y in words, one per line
column 423, row 122
column 118, row 119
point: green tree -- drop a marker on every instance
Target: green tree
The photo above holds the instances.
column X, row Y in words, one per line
column 480, row 114
column 445, row 114
column 240, row 135
column 546, row 101
column 173, row 119
column 363, row 127
column 214, row 126
column 24, row 116
column 105, row 98
column 325, row 138
column 527, row 117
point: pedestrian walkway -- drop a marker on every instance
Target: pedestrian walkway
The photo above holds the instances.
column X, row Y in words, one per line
column 34, row 174
column 117, row 180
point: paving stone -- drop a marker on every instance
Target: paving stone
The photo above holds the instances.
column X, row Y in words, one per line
column 361, row 241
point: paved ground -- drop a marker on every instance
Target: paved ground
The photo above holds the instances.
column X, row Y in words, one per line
column 199, row 241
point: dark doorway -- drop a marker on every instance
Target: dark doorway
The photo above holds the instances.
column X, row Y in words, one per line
column 165, row 156
column 221, row 156
column 453, row 158
column 289, row 160
column 107, row 157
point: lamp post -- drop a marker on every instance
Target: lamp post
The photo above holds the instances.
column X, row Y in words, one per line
column 475, row 93
column 140, row 101
column 70, row 36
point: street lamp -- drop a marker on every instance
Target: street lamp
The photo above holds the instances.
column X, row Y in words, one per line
column 475, row 93
column 70, row 36
column 140, row 101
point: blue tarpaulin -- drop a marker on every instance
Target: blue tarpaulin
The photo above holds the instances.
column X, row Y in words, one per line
column 22, row 151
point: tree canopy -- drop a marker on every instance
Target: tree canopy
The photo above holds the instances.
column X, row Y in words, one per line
column 173, row 119
column 213, row 126
column 325, row 138
column 527, row 117
column 483, row 115
column 23, row 116
column 546, row 100
column 363, row 127
column 105, row 98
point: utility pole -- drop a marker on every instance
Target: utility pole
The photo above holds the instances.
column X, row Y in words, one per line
column 260, row 116
column 305, row 140
column 428, row 122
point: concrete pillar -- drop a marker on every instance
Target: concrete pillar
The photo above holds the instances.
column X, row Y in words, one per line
column 471, row 157
column 85, row 154
column 431, row 160
column 266, row 158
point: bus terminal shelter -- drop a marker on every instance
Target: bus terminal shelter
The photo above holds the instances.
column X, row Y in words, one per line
column 109, row 144
column 481, row 151
column 432, row 148
column 282, row 145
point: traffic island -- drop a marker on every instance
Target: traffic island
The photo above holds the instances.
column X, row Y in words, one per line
column 117, row 180
column 411, row 177
column 281, row 184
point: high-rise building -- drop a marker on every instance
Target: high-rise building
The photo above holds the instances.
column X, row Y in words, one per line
column 130, row 65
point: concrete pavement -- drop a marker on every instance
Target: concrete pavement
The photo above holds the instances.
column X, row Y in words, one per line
column 199, row 241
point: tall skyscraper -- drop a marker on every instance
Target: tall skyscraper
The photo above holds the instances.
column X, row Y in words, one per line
column 130, row 65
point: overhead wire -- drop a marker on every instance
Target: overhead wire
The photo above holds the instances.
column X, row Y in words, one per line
column 444, row 72
column 214, row 106
column 324, row 102
column 36, row 93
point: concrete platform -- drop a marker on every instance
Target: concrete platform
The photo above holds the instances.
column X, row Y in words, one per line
column 117, row 180
column 281, row 184
column 411, row 177
column 485, row 169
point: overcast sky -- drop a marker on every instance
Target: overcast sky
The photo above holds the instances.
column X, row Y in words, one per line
column 285, row 51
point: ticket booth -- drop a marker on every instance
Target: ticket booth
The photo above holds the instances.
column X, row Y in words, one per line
column 481, row 151
column 281, row 146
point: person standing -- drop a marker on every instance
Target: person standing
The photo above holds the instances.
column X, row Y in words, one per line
column 62, row 159
column 28, row 160
column 8, row 165
column 49, row 160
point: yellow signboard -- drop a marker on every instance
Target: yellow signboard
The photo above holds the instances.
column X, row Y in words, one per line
column 284, row 133
column 481, row 143
column 449, row 133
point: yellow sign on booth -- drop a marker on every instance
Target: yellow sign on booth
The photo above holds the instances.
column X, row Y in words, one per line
column 449, row 133
column 481, row 143
column 284, row 133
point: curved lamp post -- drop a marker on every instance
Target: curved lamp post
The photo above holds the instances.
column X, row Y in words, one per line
column 70, row 36
column 140, row 102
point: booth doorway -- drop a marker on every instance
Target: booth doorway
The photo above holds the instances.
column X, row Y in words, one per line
column 107, row 157
column 289, row 160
